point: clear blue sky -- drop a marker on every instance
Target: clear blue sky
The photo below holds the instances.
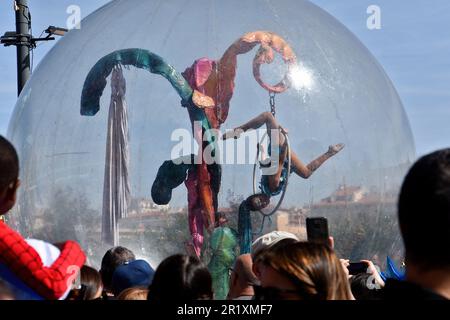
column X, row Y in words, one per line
column 413, row 46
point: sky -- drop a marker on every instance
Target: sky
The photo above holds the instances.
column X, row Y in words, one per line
column 413, row 46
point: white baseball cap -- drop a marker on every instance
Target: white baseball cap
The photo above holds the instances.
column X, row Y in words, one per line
column 269, row 239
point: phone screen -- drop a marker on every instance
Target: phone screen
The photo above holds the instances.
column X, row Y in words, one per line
column 357, row 267
column 317, row 230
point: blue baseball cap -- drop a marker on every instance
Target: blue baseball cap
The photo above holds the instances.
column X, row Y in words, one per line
column 137, row 273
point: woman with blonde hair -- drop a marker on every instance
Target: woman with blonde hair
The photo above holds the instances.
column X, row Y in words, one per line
column 136, row 293
column 301, row 271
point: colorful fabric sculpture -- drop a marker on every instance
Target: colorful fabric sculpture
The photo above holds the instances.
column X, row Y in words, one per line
column 206, row 89
column 24, row 267
column 223, row 245
column 144, row 59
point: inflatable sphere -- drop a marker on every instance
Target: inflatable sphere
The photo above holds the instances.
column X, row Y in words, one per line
column 334, row 92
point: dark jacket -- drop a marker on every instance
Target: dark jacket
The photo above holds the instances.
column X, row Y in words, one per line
column 403, row 290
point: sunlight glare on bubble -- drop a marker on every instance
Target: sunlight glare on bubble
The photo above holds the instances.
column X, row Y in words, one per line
column 301, row 78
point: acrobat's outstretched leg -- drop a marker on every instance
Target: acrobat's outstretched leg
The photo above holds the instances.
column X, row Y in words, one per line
column 306, row 171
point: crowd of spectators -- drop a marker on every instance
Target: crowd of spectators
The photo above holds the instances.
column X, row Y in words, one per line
column 279, row 267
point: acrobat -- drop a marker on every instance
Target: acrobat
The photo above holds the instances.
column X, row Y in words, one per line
column 273, row 184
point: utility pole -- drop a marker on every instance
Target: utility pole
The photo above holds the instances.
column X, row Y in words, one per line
column 24, row 41
column 23, row 26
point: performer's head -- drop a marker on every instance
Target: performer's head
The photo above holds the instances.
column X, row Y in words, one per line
column 9, row 175
column 258, row 201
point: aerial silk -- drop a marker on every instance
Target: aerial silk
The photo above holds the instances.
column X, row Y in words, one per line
column 116, row 186
column 223, row 244
column 206, row 89
column 245, row 228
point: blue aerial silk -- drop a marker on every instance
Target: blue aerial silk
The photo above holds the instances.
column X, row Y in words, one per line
column 245, row 228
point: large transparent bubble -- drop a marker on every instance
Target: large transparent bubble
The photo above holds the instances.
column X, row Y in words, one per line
column 340, row 94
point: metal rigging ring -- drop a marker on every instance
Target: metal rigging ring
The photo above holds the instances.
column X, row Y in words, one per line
column 283, row 191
